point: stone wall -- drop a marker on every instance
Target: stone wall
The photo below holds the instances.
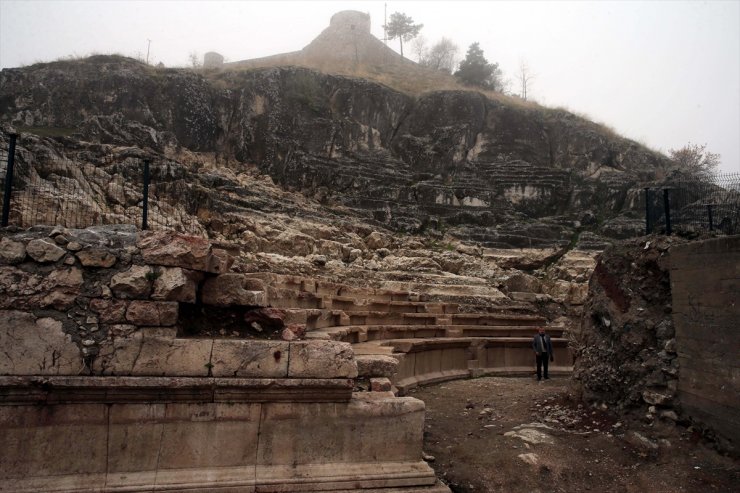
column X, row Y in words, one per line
column 705, row 288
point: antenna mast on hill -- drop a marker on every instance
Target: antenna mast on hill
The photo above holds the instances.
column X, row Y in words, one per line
column 385, row 22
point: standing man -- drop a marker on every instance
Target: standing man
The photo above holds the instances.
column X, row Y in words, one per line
column 543, row 350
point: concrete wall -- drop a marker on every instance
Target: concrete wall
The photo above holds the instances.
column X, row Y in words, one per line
column 705, row 286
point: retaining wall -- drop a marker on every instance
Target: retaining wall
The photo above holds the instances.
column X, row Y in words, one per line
column 705, row 287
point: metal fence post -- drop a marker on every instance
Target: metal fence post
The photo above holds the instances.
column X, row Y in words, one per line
column 648, row 225
column 8, row 180
column 667, row 206
column 711, row 222
column 145, row 211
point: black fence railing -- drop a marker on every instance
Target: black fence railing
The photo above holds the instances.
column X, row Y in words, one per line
column 80, row 194
column 694, row 205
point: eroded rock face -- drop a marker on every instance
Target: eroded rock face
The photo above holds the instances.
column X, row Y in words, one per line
column 483, row 170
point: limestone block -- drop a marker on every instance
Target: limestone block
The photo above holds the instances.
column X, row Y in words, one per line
column 32, row 346
column 357, row 430
column 231, row 289
column 51, row 441
column 189, row 252
column 44, row 251
column 12, row 252
column 659, row 398
column 372, row 365
column 176, row 284
column 256, row 359
column 152, row 313
column 376, row 240
column 291, row 242
column 380, row 384
column 134, row 437
column 134, row 283
column 96, row 257
column 109, row 311
column 321, row 359
column 209, row 435
column 220, row 261
column 154, row 355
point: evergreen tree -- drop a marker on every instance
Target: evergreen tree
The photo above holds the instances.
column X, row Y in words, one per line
column 476, row 71
column 402, row 27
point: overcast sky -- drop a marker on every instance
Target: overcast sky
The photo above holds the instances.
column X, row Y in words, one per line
column 663, row 73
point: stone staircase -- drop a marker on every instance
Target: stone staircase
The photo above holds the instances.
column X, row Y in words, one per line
column 432, row 341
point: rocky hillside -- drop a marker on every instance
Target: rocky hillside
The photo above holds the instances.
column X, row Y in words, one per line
column 499, row 174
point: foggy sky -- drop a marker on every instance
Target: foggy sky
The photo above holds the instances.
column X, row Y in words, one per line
column 662, row 73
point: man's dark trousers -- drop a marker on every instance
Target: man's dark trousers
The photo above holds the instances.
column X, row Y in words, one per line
column 542, row 360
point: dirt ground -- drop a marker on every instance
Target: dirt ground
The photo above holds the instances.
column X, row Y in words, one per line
column 564, row 447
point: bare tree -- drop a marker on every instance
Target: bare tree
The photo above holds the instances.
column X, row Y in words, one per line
column 194, row 60
column 442, row 56
column 525, row 77
column 695, row 160
column 419, row 48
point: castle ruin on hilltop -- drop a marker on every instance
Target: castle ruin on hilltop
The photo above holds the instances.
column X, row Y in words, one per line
column 347, row 40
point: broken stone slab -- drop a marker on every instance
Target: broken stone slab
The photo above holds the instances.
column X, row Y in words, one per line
column 134, row 283
column 156, row 313
column 530, row 458
column 189, row 252
column 658, row 398
column 36, row 346
column 176, row 284
column 641, row 442
column 380, row 384
column 321, row 359
column 230, row 290
column 44, row 251
column 531, row 433
column 12, row 252
column 96, row 257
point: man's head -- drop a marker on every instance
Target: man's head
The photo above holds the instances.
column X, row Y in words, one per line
column 541, row 330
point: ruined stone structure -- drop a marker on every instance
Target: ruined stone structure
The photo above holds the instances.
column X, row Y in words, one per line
column 347, row 40
column 212, row 60
column 103, row 388
column 659, row 331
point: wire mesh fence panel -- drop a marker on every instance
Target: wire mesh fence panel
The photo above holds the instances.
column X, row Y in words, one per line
column 694, row 206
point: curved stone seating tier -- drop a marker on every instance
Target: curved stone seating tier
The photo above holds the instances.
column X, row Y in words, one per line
column 432, row 341
column 363, row 333
column 426, row 361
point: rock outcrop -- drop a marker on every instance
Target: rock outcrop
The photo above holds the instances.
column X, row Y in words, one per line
column 493, row 172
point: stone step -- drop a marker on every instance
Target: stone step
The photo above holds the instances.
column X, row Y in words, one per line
column 363, row 333
column 497, row 319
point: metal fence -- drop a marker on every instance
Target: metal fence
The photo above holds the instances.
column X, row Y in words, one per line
column 688, row 205
column 98, row 191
